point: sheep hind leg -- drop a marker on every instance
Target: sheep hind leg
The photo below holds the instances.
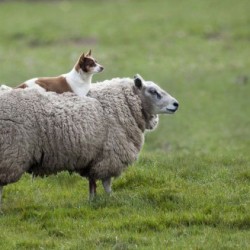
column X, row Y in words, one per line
column 107, row 185
column 1, row 193
column 92, row 188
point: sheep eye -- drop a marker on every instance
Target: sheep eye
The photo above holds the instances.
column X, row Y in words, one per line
column 154, row 92
column 158, row 95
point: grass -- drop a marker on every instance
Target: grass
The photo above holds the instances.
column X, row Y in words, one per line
column 190, row 188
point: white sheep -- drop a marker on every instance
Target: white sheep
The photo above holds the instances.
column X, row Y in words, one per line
column 96, row 136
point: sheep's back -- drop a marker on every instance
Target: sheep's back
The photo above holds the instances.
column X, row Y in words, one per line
column 66, row 131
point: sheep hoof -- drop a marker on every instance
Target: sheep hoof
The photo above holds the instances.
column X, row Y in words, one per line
column 91, row 197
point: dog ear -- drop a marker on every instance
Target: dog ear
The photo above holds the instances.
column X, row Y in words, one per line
column 138, row 80
column 89, row 53
column 81, row 58
column 80, row 62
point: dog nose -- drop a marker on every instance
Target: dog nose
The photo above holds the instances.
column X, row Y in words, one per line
column 101, row 68
column 176, row 104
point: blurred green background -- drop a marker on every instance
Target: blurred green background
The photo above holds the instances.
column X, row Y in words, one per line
column 192, row 180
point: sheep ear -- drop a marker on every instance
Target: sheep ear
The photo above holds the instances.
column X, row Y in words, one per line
column 138, row 80
column 89, row 53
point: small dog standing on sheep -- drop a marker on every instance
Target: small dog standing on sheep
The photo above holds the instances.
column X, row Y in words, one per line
column 78, row 80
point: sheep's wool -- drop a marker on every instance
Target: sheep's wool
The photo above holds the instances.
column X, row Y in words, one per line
column 45, row 133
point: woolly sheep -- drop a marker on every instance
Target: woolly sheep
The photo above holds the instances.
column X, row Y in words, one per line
column 96, row 136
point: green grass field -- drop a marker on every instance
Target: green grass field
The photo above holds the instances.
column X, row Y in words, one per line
column 190, row 188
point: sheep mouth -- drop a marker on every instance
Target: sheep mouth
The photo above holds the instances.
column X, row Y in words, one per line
column 171, row 110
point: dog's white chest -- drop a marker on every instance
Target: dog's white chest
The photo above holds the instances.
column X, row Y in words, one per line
column 81, row 90
column 78, row 85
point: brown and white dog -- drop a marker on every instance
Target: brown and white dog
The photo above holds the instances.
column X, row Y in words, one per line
column 78, row 80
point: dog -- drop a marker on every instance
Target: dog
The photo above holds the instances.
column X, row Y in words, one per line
column 78, row 80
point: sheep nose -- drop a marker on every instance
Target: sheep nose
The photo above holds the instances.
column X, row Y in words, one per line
column 176, row 104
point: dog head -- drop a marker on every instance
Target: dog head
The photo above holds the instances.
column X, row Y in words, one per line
column 88, row 65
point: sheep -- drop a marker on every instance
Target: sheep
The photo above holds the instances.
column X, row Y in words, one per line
column 96, row 136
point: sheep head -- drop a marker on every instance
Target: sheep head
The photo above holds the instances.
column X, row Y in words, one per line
column 154, row 99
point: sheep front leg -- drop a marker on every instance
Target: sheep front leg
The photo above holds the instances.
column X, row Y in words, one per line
column 107, row 185
column 92, row 188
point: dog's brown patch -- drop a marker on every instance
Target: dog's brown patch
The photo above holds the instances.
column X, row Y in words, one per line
column 55, row 84
column 85, row 62
column 22, row 86
column 88, row 63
